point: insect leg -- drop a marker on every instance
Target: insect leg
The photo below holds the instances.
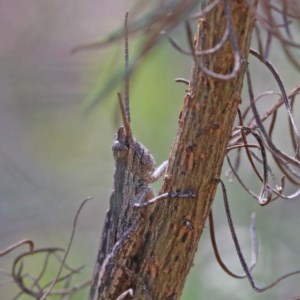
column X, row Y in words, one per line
column 187, row 194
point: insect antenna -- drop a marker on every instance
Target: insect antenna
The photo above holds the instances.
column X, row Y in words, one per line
column 124, row 117
column 126, row 98
column 124, row 104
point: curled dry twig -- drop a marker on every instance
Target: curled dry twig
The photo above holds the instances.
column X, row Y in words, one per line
column 10, row 248
column 67, row 250
column 254, row 248
column 35, row 285
column 243, row 262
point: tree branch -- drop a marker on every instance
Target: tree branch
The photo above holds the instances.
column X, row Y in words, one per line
column 196, row 159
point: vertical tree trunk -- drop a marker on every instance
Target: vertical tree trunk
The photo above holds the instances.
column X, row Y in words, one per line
column 173, row 230
column 196, row 158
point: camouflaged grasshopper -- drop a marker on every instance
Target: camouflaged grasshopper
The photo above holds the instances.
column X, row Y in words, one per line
column 123, row 230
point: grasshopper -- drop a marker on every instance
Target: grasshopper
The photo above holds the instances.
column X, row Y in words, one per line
column 124, row 225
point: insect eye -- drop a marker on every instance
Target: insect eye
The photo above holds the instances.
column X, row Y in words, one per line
column 119, row 149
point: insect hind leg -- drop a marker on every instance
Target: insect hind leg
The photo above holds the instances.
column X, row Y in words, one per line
column 185, row 194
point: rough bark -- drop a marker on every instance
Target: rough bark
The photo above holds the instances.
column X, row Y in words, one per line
column 174, row 228
column 196, row 158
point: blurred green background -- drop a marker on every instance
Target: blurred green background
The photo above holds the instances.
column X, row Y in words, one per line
column 53, row 154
